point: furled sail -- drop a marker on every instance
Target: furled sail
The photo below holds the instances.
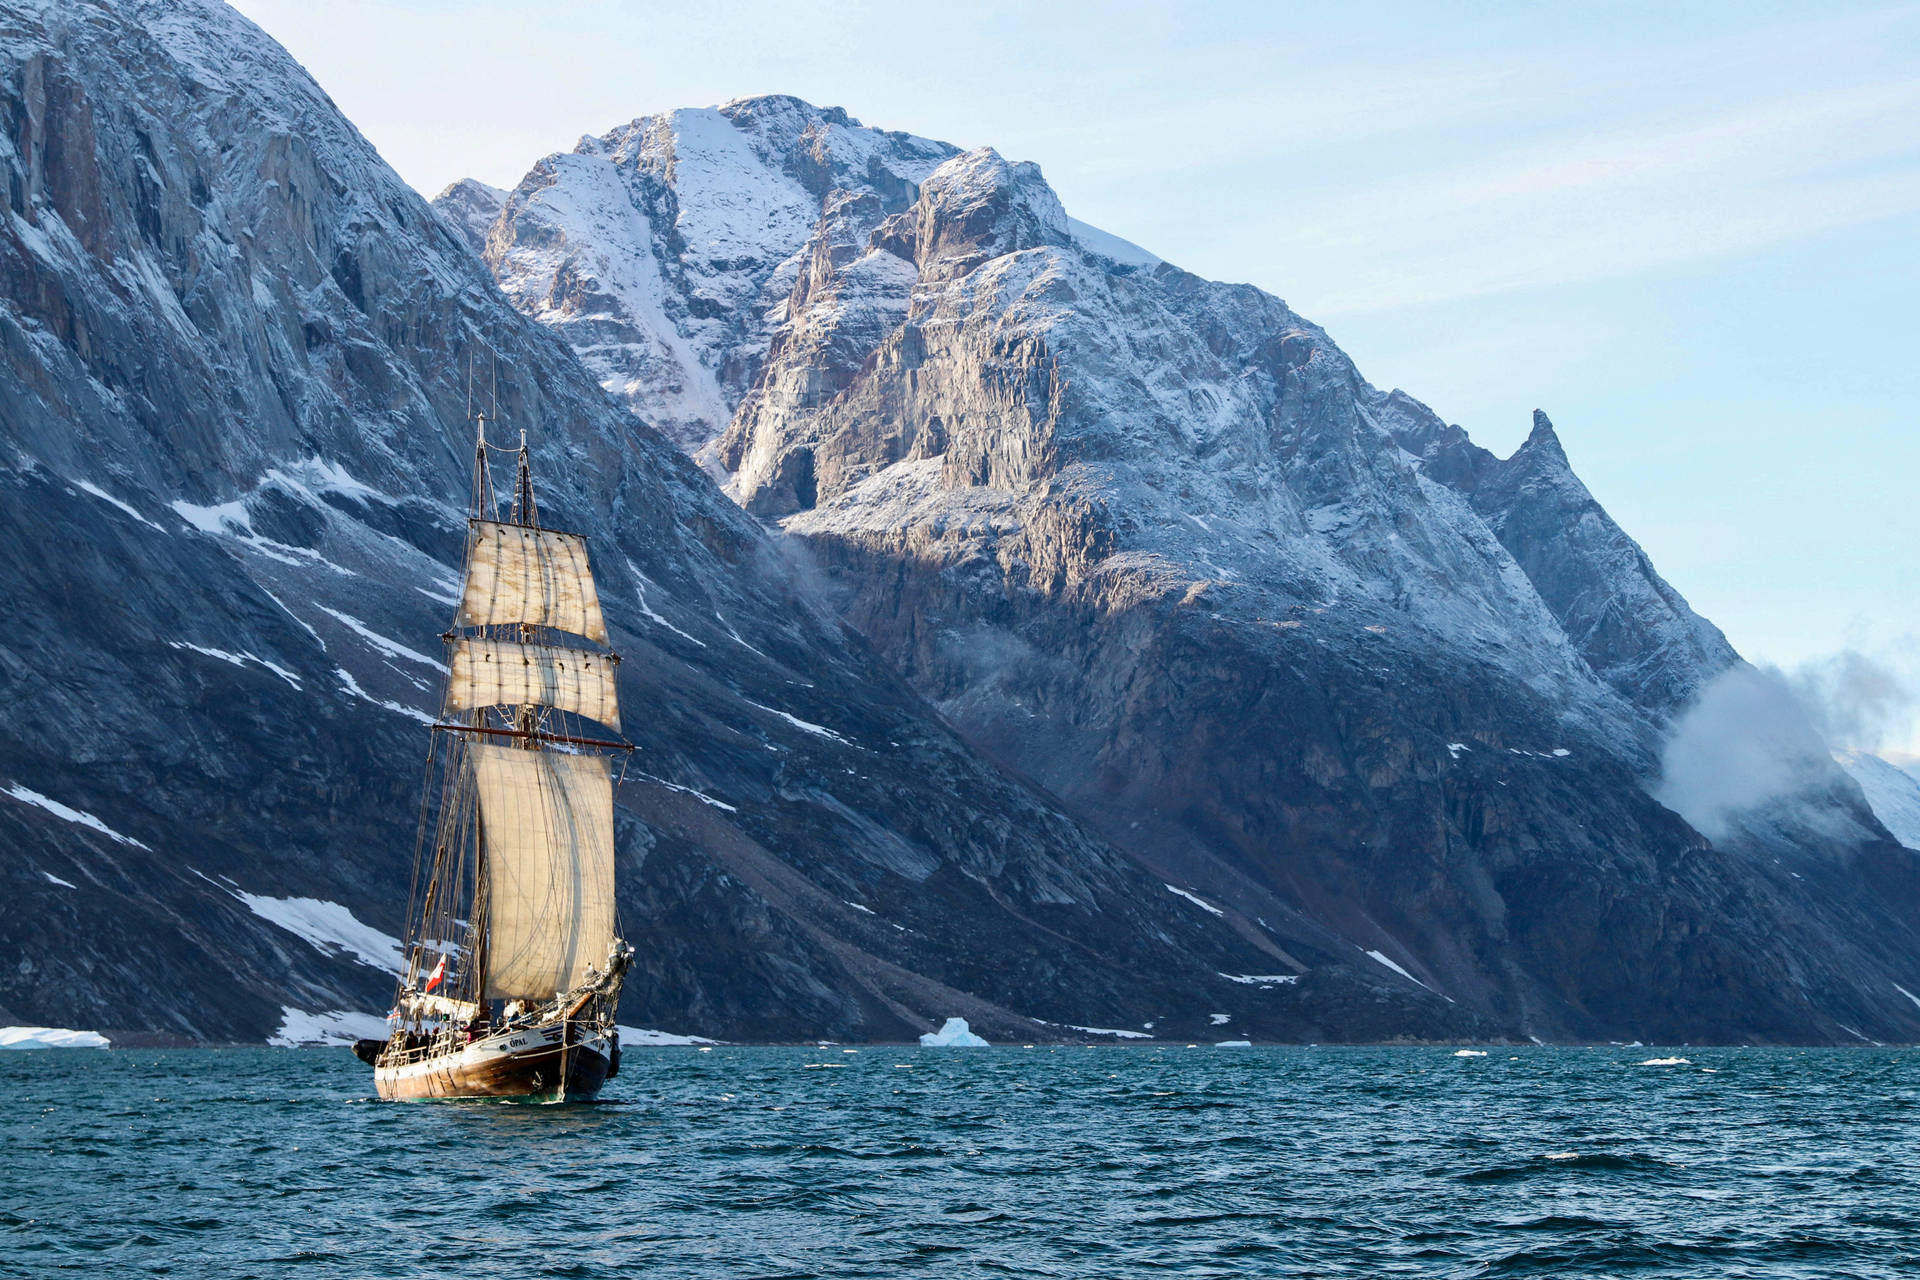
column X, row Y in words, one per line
column 492, row 672
column 428, row 1006
column 538, row 576
column 547, row 834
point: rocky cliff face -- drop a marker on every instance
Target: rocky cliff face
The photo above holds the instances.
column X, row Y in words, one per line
column 1154, row 542
column 233, row 467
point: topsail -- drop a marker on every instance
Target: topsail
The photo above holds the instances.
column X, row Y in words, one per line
column 535, row 576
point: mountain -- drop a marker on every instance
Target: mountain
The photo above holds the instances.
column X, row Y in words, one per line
column 234, row 467
column 1154, row 543
column 1893, row 792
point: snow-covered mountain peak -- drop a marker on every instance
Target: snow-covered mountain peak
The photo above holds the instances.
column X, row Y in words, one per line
column 664, row 249
column 978, row 206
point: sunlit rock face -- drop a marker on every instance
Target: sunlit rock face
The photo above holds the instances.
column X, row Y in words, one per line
column 1154, row 542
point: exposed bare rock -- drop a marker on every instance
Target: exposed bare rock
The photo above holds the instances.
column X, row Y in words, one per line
column 1292, row 642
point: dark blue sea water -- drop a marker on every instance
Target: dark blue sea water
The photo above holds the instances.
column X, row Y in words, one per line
column 1092, row 1162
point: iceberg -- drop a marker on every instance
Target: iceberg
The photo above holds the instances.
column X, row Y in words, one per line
column 954, row 1034
column 50, row 1038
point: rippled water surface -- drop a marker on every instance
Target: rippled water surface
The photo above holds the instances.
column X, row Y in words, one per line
column 1045, row 1162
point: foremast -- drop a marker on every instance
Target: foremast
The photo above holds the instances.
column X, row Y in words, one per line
column 516, row 916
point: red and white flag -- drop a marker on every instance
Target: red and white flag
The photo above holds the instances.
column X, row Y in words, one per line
column 439, row 973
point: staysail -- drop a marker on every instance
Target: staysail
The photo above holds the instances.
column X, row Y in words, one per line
column 547, row 830
column 489, row 673
column 517, row 573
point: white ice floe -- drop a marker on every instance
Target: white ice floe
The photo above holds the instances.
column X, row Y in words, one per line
column 1204, row 906
column 1666, row 1062
column 647, row 1038
column 50, row 1038
column 1261, row 979
column 352, row 686
column 61, row 811
column 953, row 1034
column 807, row 726
column 328, row 928
column 392, row 648
column 112, row 501
column 1109, row 1031
column 238, row 659
column 1233, row 1044
column 299, row 1027
column 1469, row 1053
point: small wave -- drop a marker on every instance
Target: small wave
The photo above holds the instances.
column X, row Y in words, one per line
column 1667, row 1062
column 1469, row 1053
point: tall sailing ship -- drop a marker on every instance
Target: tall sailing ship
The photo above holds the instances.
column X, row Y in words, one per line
column 514, row 960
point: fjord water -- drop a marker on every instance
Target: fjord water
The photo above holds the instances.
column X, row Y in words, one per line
column 1073, row 1162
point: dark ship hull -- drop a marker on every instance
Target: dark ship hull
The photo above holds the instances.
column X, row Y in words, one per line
column 544, row 1062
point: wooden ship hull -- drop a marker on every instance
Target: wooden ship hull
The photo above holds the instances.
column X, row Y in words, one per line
column 544, row 1063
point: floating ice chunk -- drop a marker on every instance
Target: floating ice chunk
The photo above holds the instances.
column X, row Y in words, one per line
column 1666, row 1062
column 1234, row 1044
column 953, row 1034
column 1109, row 1031
column 61, row 811
column 1204, row 906
column 50, row 1038
column 299, row 1027
column 1469, row 1053
column 648, row 1038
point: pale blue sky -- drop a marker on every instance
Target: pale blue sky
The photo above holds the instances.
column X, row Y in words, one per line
column 1692, row 237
